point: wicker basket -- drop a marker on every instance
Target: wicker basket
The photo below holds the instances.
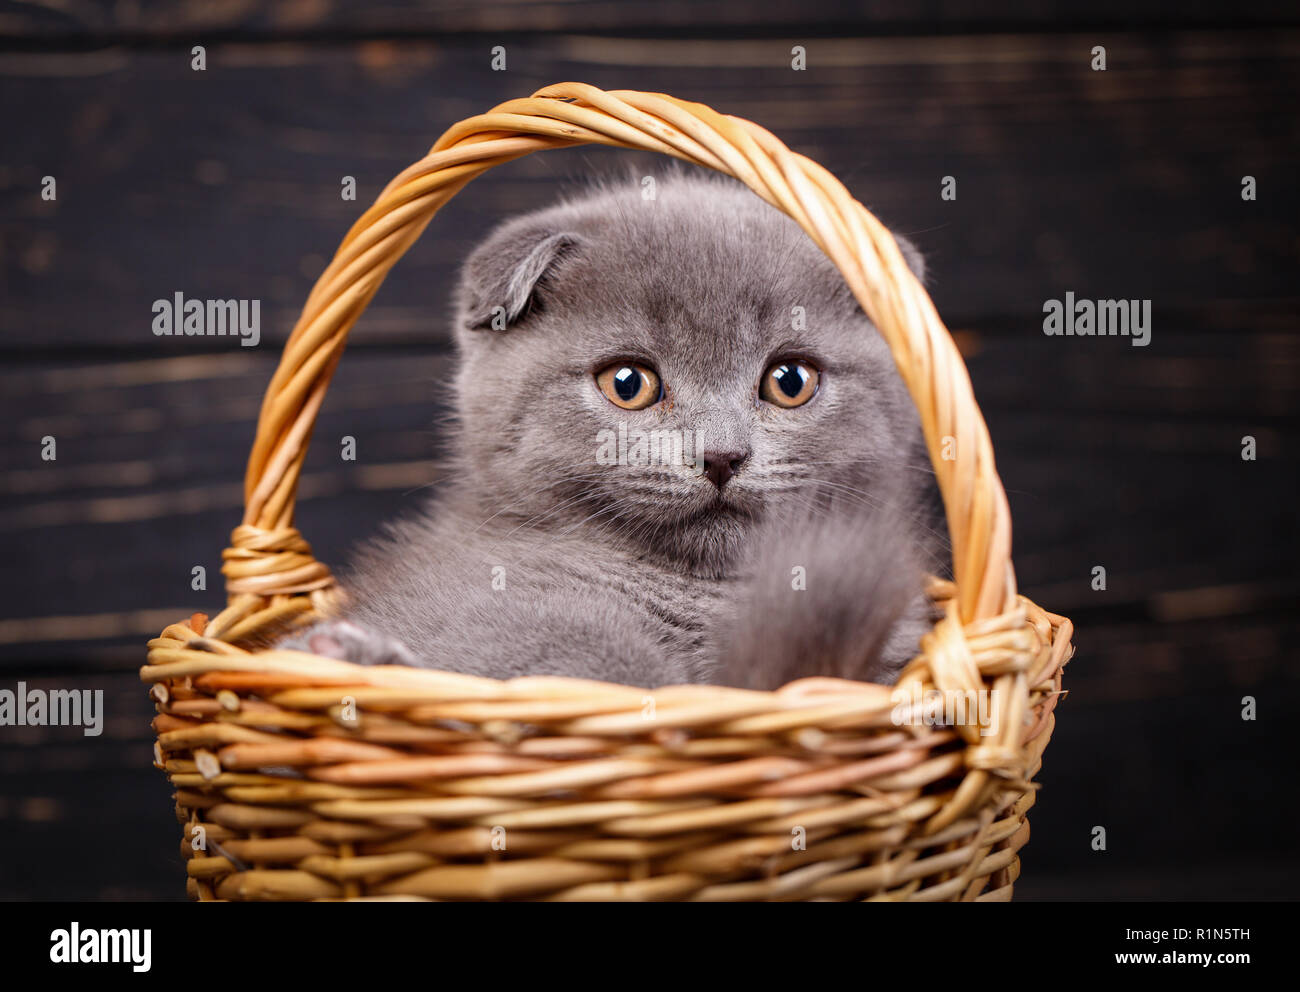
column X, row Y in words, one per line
column 300, row 777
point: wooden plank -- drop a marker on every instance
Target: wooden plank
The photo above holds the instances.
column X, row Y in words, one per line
column 158, row 20
column 1178, row 782
column 1122, row 183
column 148, row 481
column 1215, row 876
column 59, row 783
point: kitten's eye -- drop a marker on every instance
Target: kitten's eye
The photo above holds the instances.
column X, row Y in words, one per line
column 789, row 384
column 630, row 386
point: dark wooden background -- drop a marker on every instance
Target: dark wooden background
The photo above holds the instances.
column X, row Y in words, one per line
column 1116, row 184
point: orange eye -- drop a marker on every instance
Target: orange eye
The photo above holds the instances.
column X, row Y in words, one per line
column 789, row 384
column 629, row 385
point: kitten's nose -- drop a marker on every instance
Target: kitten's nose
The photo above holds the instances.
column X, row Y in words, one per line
column 720, row 466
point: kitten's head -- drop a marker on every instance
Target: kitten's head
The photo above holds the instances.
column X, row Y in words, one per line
column 664, row 371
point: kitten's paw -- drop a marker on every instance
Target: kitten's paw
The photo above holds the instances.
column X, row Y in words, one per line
column 351, row 642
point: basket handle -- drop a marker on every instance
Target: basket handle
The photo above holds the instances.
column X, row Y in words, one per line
column 269, row 558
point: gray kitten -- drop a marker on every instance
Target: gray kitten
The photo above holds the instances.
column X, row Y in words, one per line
column 681, row 453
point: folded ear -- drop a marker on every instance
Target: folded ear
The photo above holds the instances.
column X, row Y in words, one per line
column 502, row 280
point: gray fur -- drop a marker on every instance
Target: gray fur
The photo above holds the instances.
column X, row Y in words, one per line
column 653, row 575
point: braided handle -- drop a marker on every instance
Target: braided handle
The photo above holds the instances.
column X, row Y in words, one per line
column 268, row 557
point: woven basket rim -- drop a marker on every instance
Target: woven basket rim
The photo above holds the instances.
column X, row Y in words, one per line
column 199, row 645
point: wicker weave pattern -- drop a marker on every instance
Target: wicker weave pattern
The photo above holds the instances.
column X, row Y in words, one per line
column 314, row 778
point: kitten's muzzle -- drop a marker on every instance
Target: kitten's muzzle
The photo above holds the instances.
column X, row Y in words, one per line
column 719, row 466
